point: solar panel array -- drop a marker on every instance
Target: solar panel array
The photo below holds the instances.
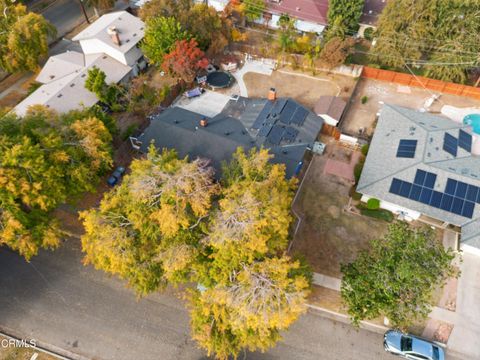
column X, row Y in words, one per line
column 459, row 198
column 406, row 148
column 274, row 120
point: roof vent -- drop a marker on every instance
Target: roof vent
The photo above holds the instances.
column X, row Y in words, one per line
column 227, row 133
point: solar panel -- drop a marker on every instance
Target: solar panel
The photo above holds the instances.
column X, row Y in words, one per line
column 262, row 117
column 420, row 177
column 415, row 192
column 461, row 189
column 468, row 208
column 290, row 134
column 405, row 189
column 457, row 206
column 395, row 186
column 447, row 201
column 406, row 148
column 278, row 106
column 472, row 193
column 436, row 199
column 450, row 144
column 465, row 140
column 451, row 186
column 430, row 180
column 275, row 135
column 299, row 116
column 287, row 113
column 265, row 129
column 426, row 196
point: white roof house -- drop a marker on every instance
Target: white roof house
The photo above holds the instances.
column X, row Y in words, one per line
column 116, row 34
column 110, row 44
column 63, row 78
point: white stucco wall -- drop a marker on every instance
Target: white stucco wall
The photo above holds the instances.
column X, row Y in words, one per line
column 300, row 25
column 470, row 249
column 409, row 215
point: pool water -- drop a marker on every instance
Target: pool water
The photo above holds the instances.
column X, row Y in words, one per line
column 474, row 121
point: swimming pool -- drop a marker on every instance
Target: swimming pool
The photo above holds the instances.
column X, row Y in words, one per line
column 474, row 121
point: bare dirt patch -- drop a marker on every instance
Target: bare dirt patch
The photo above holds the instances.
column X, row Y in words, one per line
column 329, row 236
column 304, row 88
column 378, row 92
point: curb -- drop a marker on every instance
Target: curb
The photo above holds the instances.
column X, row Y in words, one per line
column 332, row 315
column 49, row 349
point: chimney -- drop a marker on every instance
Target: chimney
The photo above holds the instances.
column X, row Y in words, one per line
column 272, row 94
column 113, row 32
column 204, row 122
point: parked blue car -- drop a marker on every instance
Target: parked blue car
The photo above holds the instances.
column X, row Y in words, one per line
column 411, row 347
column 116, row 176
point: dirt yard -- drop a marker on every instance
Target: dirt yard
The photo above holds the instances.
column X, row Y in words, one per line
column 328, row 236
column 304, row 88
column 378, row 92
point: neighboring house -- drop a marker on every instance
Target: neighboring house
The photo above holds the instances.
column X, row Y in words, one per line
column 118, row 35
column 423, row 166
column 371, row 11
column 281, row 125
column 310, row 15
column 110, row 44
column 330, row 108
column 63, row 78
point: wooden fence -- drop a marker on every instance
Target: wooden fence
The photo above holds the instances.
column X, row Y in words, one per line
column 423, row 82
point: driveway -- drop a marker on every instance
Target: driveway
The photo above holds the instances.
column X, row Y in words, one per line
column 57, row 300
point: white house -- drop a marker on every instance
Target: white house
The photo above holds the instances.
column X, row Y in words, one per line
column 110, row 44
column 116, row 34
column 63, row 78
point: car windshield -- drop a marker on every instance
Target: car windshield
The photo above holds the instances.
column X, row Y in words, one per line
column 436, row 354
column 406, row 343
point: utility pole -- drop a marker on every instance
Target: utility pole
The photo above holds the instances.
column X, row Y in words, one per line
column 82, row 5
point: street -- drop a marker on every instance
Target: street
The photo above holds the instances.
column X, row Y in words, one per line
column 57, row 300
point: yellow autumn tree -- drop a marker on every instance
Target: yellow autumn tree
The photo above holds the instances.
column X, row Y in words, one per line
column 147, row 229
column 249, row 290
column 45, row 159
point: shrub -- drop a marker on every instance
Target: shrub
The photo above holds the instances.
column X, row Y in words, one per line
column 373, row 204
column 364, row 99
column 368, row 33
column 357, row 171
column 364, row 149
column 129, row 131
column 381, row 214
column 356, row 196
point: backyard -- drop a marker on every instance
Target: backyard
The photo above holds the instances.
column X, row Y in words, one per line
column 302, row 87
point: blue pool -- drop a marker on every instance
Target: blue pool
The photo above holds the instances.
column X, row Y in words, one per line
column 474, row 121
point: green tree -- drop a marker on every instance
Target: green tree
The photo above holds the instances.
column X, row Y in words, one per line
column 287, row 32
column 161, row 33
column 23, row 37
column 440, row 35
column 45, row 159
column 148, row 228
column 253, row 9
column 396, row 276
column 108, row 94
column 336, row 51
column 348, row 11
column 178, row 9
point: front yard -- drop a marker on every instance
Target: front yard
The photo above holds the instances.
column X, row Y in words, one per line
column 328, row 235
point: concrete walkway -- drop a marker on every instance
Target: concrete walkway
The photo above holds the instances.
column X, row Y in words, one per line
column 260, row 67
column 326, row 281
column 465, row 337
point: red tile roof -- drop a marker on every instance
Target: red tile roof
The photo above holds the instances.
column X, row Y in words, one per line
column 308, row 10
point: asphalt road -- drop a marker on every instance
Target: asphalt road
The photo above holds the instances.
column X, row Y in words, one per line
column 57, row 300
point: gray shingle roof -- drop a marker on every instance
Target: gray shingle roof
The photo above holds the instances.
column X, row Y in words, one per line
column 179, row 128
column 382, row 165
